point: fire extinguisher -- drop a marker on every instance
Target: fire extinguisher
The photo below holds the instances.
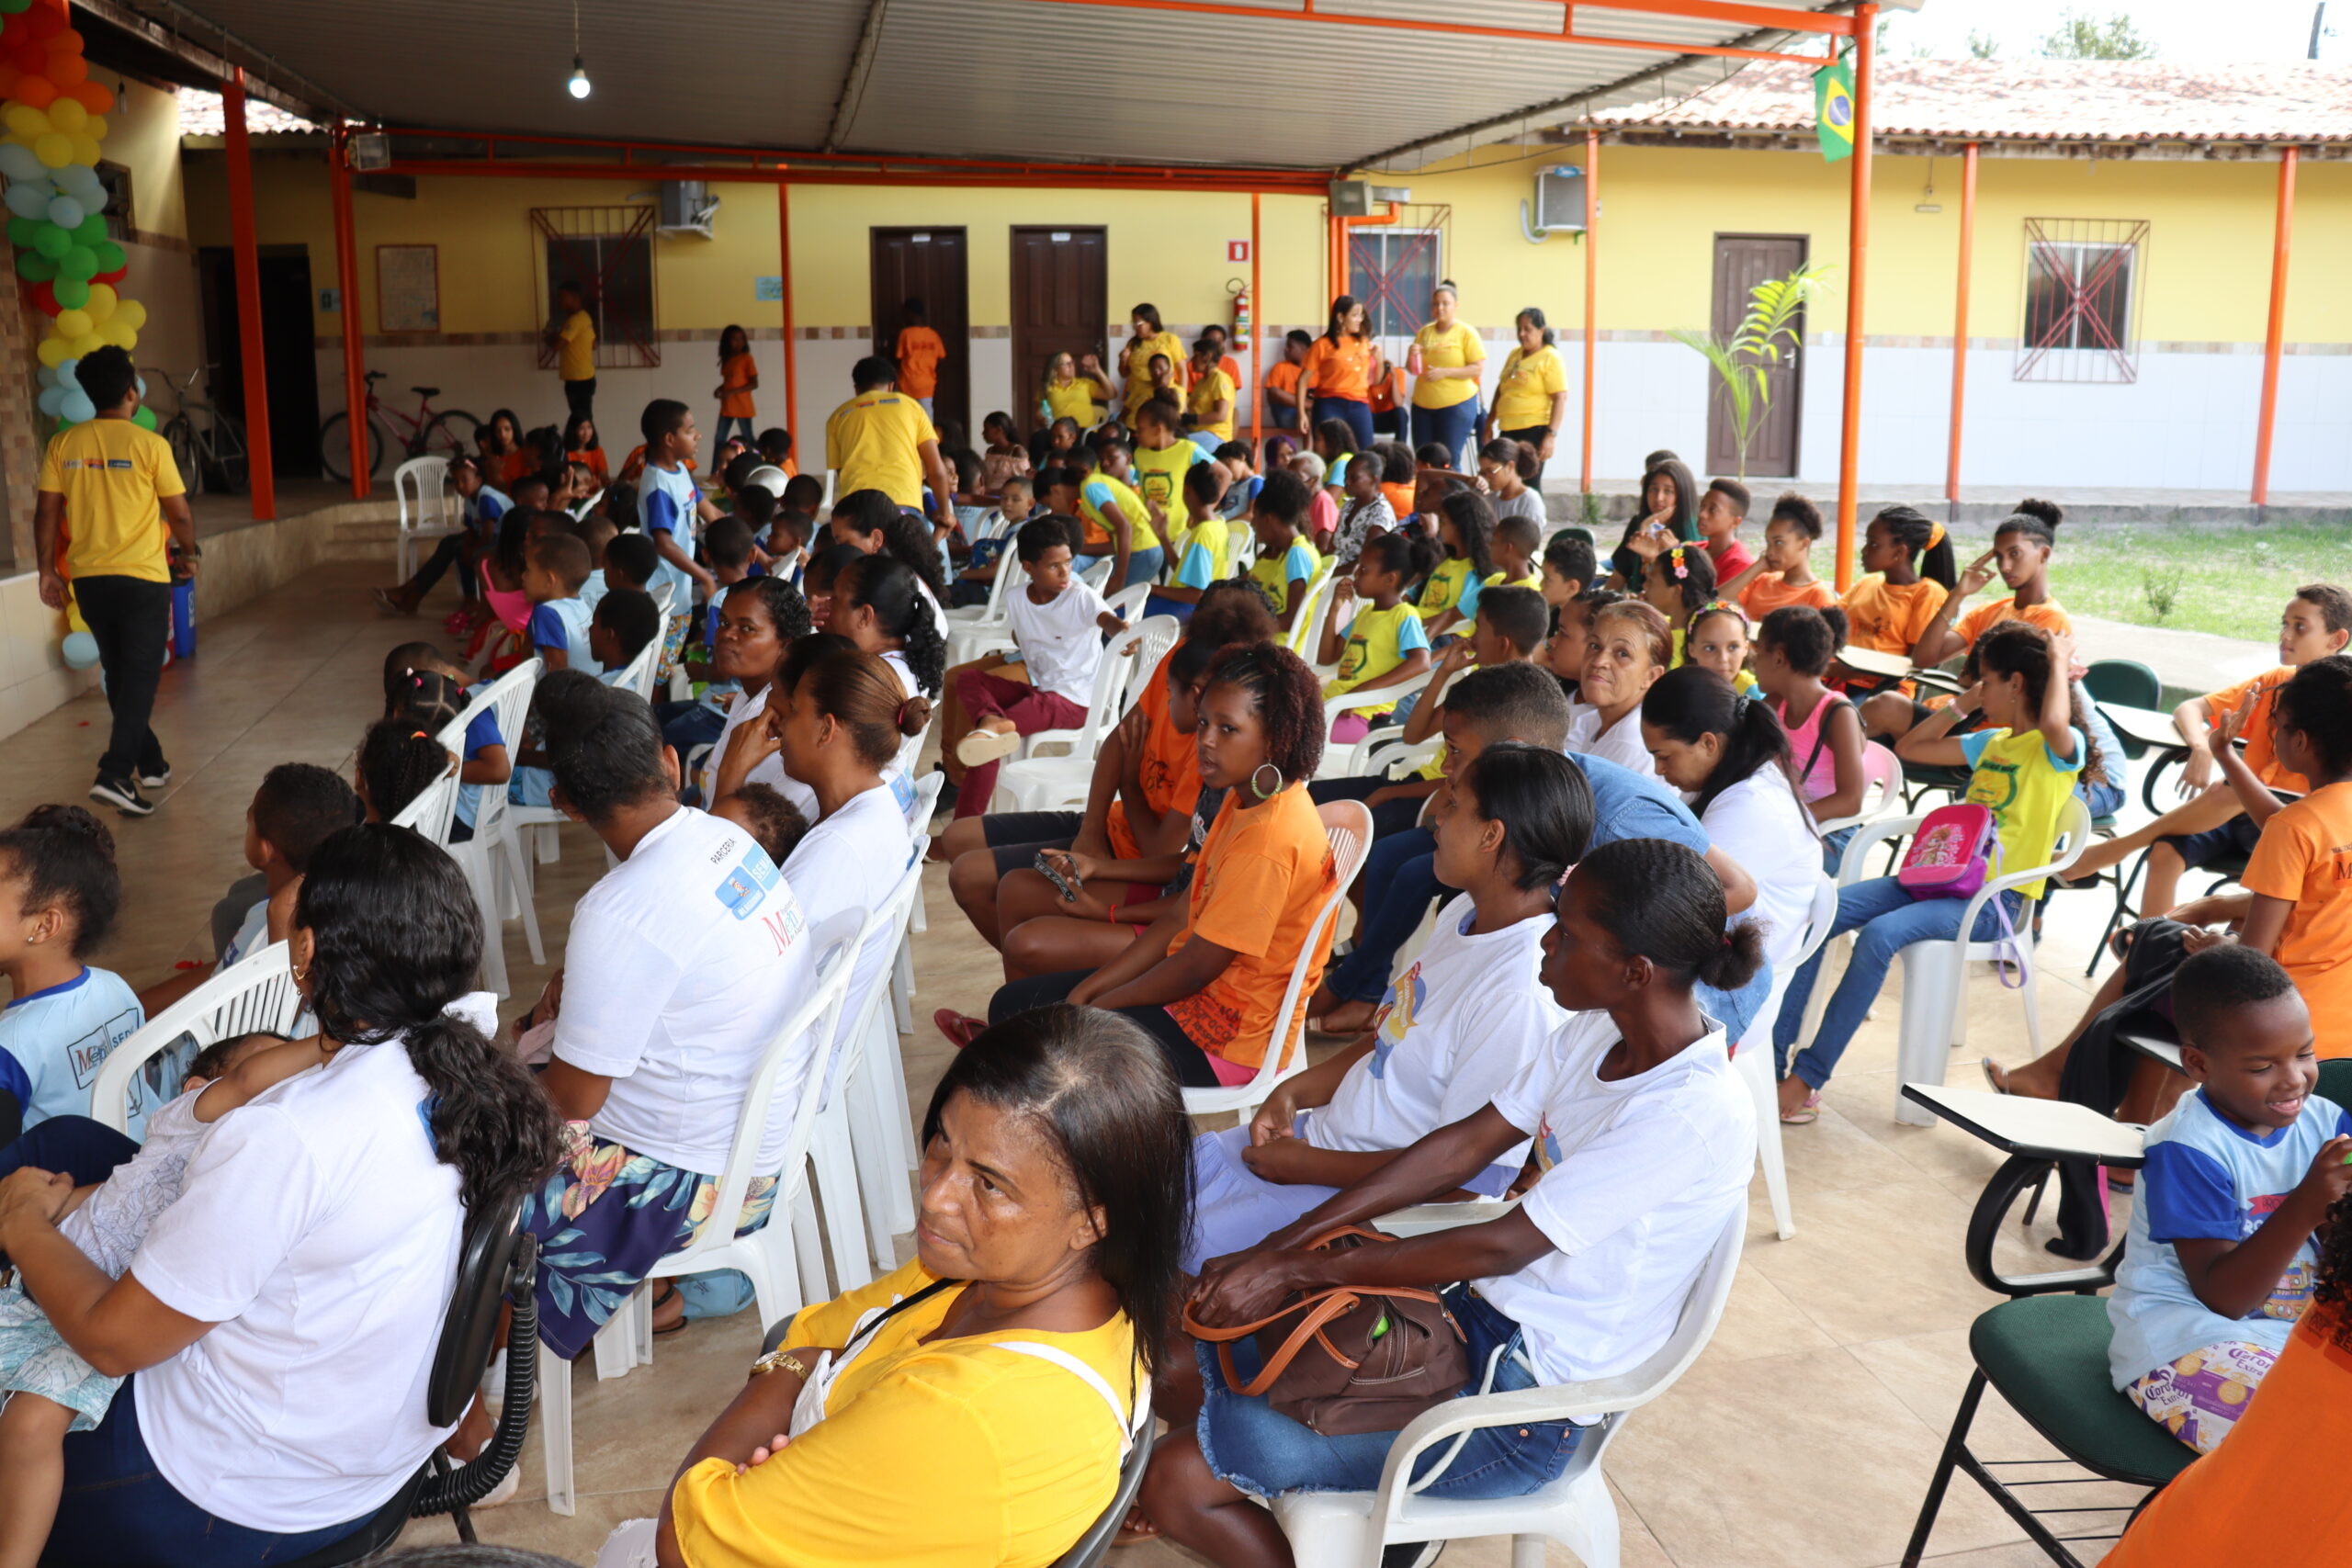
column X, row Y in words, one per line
column 1240, row 292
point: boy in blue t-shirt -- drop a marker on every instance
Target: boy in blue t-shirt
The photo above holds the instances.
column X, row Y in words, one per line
column 2219, row 1260
column 622, row 624
column 481, row 507
column 670, row 506
column 552, row 574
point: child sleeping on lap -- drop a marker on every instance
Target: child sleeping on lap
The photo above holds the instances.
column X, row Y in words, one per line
column 48, row 1389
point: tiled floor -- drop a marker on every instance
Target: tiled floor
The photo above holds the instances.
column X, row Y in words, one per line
column 1803, row 1437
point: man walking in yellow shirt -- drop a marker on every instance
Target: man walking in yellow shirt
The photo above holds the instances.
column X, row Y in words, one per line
column 118, row 488
column 882, row 440
column 573, row 334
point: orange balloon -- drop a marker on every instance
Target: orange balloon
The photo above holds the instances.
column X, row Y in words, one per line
column 63, row 42
column 9, row 77
column 42, row 22
column 35, row 92
column 67, row 70
column 95, row 97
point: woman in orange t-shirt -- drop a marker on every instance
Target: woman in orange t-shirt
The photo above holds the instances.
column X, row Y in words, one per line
column 581, row 445
column 1341, row 365
column 1205, row 982
column 738, row 375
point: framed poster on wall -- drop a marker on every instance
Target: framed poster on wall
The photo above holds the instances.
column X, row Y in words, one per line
column 408, row 288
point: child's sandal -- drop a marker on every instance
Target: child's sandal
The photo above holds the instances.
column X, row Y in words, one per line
column 1807, row 1115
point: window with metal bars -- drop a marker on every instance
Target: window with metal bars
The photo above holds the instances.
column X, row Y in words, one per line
column 2082, row 297
column 608, row 252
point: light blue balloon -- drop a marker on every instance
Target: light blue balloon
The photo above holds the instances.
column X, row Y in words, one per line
column 65, row 373
column 81, row 650
column 141, row 380
column 52, row 400
column 26, row 199
column 17, row 162
column 65, row 212
column 77, row 180
column 77, row 408
column 46, row 375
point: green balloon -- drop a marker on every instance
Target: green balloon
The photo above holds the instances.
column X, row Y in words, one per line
column 143, row 417
column 72, row 293
column 92, row 228
column 78, row 262
column 109, row 255
column 22, row 232
column 35, row 268
column 10, row 8
column 50, row 240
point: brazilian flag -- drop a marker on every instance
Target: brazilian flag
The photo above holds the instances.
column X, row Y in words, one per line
column 1832, row 109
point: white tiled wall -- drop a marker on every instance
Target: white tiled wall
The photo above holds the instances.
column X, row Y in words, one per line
column 33, row 676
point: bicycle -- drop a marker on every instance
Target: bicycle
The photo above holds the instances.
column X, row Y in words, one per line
column 437, row 432
column 212, row 455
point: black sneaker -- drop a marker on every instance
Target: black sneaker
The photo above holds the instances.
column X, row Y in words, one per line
column 124, row 795
column 1411, row 1553
column 155, row 778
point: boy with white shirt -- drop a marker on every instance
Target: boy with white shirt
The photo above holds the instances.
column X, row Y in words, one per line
column 1058, row 620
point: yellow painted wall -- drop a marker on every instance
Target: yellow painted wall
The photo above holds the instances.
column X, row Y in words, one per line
column 2205, row 278
column 143, row 135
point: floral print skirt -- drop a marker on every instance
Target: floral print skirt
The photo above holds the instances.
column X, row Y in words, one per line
column 604, row 1218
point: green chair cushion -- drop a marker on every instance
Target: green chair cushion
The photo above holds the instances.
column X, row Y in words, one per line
column 2047, row 1355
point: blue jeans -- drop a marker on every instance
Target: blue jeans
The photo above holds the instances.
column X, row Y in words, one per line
column 2104, row 799
column 1889, row 919
column 118, row 1511
column 1143, row 566
column 1353, row 413
column 740, row 422
column 1252, row 1446
column 1450, row 427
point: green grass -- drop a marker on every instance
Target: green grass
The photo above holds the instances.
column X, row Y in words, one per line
column 2228, row 579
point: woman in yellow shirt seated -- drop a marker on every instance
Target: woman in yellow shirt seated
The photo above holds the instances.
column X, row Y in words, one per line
column 972, row 1409
column 1074, row 392
column 1446, row 360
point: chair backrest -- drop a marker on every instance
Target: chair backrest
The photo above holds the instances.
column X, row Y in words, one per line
column 1301, row 636
column 926, row 805
column 1128, row 600
column 1090, row 1548
column 2123, row 681
column 663, row 593
column 422, row 487
column 638, row 674
column 1347, row 824
column 1881, row 787
column 1703, row 1309
column 1100, row 572
column 508, row 698
column 257, row 994
column 486, row 1260
column 434, row 809
column 1817, row 920
column 1009, row 575
column 1110, row 674
column 885, row 923
column 1153, row 637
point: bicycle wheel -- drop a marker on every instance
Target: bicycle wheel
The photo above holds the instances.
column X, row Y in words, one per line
column 335, row 446
column 182, row 441
column 451, row 434
column 229, row 452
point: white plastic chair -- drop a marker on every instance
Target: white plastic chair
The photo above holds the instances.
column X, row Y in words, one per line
column 1754, row 1056
column 973, row 631
column 1062, row 783
column 902, row 970
column 784, row 1257
column 1348, row 1530
column 433, row 810
column 1882, row 794
column 1100, row 572
column 429, row 508
column 255, row 994
column 1344, row 759
column 1306, row 627
column 492, row 859
column 1935, row 1014
column 1348, row 824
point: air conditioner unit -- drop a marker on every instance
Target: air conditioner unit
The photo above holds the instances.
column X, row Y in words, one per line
column 1559, row 200
column 686, row 208
column 371, row 152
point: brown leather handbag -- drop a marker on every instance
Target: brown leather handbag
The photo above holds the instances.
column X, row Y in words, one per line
column 1381, row 1353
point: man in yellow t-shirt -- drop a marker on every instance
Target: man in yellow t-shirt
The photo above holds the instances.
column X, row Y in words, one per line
column 882, row 440
column 573, row 334
column 115, row 489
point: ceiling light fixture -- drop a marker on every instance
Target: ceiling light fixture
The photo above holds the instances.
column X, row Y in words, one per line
column 578, row 85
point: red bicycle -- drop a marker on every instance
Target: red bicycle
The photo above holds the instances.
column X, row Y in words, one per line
column 429, row 432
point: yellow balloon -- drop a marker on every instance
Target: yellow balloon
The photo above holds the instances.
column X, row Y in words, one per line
column 24, row 120
column 75, row 323
column 95, row 128
column 53, row 351
column 53, row 148
column 103, row 301
column 129, row 312
column 82, row 148
column 73, row 621
column 87, row 344
column 122, row 337
column 68, row 116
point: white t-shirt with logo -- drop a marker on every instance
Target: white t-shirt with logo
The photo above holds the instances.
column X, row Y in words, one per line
column 1640, row 1175
column 682, row 964
column 1457, row 1027
column 1060, row 640
column 1759, row 823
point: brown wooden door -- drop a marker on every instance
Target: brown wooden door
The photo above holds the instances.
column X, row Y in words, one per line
column 1060, row 293
column 1743, row 261
column 927, row 264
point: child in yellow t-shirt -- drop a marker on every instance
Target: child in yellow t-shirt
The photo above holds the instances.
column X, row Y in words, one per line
column 1449, row 596
column 1202, row 549
column 1211, row 401
column 1380, row 642
column 1286, row 563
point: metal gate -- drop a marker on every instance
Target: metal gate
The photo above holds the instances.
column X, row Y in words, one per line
column 608, row 251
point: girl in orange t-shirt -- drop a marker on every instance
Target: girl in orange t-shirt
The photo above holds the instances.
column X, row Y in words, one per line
column 1335, row 381
column 1909, row 563
column 581, row 445
column 2020, row 555
column 737, row 378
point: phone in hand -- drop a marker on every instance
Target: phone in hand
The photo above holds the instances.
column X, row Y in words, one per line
column 1065, row 883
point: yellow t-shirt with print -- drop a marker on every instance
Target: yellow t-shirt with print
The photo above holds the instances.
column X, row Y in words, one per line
column 1377, row 642
column 1100, row 489
column 1159, row 476
column 1276, row 574
column 2014, row 774
column 112, row 475
column 1530, row 381
column 1451, row 349
column 1205, row 395
column 1442, row 591
column 1202, row 554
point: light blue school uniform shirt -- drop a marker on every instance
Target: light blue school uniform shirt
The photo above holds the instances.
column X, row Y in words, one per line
column 487, row 507
column 482, row 732
column 666, row 499
column 592, row 590
column 564, row 622
column 2206, row 1176
column 53, row 1042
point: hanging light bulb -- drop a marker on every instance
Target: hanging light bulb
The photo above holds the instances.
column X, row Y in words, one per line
column 578, row 85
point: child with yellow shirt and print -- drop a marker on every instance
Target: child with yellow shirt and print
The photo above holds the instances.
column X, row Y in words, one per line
column 1449, row 596
column 1383, row 643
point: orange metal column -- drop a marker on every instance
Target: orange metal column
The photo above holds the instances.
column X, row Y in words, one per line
column 347, row 282
column 791, row 350
column 1858, row 248
column 1591, row 290
column 240, row 234
column 1960, row 324
column 1256, row 336
column 2275, row 344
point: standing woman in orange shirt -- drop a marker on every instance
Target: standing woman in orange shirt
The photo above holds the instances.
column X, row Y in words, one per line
column 738, row 375
column 1336, row 381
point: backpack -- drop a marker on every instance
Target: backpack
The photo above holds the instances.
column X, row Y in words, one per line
column 1952, row 853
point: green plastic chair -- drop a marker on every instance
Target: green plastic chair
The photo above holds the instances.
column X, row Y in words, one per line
column 2127, row 682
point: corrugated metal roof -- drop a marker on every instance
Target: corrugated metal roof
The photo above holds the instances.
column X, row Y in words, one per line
column 2095, row 100
column 972, row 78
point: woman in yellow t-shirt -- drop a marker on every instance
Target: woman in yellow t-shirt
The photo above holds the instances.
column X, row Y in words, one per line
column 1532, row 394
column 972, row 1409
column 1335, row 382
column 1135, row 360
column 1446, row 361
column 1074, row 392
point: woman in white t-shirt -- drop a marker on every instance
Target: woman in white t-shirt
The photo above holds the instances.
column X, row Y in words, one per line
column 1463, row 1019
column 280, row 1320
column 1627, row 647
column 1644, row 1141
column 1730, row 757
column 878, row 605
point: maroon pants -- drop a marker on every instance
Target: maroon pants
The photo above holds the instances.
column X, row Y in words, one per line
column 1030, row 710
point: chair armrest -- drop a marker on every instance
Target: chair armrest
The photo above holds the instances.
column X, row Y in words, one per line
column 1518, row 1407
column 1372, row 697
column 1872, row 834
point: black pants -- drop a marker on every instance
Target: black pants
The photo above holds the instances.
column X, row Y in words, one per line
column 1534, row 435
column 449, row 552
column 580, row 397
column 1015, row 836
column 130, row 617
column 1186, row 1060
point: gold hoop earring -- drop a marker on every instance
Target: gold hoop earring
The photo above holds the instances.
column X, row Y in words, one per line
column 1260, row 790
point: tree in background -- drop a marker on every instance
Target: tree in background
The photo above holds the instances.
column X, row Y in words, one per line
column 2082, row 37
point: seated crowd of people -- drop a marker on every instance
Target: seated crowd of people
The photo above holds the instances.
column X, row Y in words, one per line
column 1620, row 781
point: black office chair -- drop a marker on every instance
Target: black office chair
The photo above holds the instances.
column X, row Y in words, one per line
column 497, row 1266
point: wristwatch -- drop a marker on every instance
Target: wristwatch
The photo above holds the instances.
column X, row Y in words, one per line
column 779, row 1362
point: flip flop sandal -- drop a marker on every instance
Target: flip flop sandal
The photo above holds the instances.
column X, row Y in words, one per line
column 961, row 1029
column 1806, row 1117
column 1992, row 1075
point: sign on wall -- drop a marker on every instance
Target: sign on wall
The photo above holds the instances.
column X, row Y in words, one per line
column 408, row 288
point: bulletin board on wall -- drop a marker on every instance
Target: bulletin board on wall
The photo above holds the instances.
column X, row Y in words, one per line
column 408, row 288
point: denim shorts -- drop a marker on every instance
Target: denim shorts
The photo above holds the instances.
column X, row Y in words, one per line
column 1251, row 1446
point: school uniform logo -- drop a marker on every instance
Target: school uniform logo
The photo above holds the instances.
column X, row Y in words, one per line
column 88, row 1054
column 1994, row 785
column 745, row 889
column 1398, row 1007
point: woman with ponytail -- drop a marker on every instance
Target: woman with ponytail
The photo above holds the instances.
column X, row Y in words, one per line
column 1455, row 1028
column 873, row 524
column 315, row 1237
column 1910, row 573
column 1646, row 1140
column 878, row 604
